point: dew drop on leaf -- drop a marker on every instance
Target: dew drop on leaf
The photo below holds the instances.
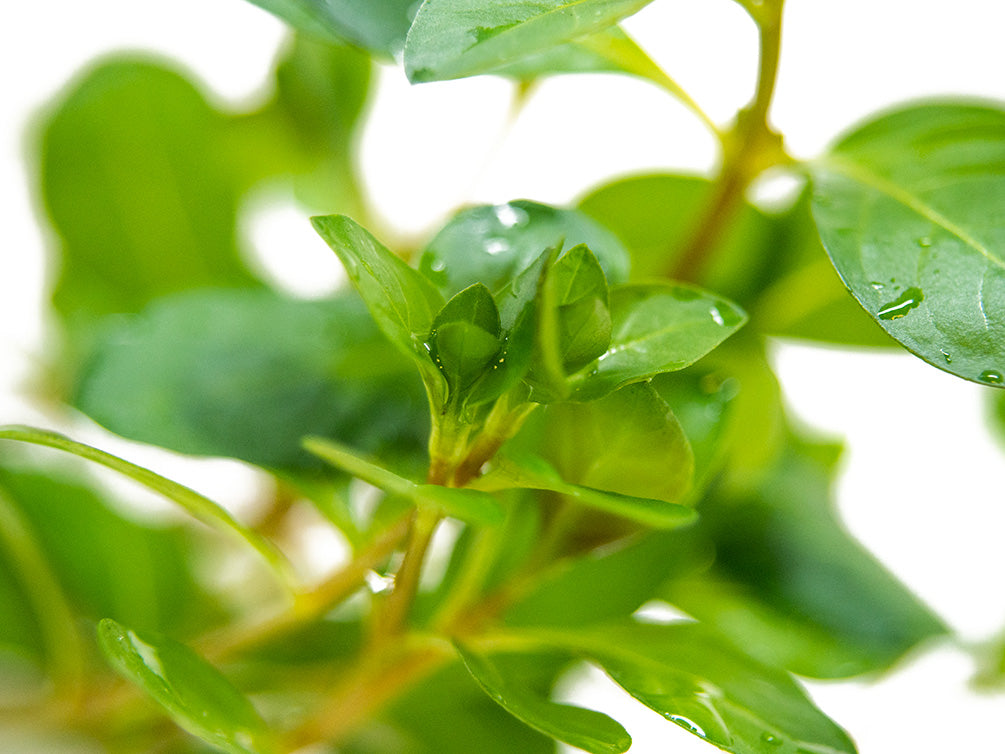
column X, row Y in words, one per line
column 946, row 355
column 991, row 376
column 771, row 740
column 924, row 242
column 901, row 305
column 689, row 724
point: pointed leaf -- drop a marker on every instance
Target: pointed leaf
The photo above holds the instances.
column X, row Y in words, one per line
column 492, row 244
column 712, row 690
column 656, row 328
column 454, row 38
column 401, row 301
column 194, row 693
column 909, row 206
column 379, row 26
column 583, row 728
column 465, row 337
column 475, row 506
column 199, row 506
column 582, row 298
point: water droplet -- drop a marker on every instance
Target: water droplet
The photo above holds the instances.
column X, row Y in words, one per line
column 876, row 285
column 510, row 216
column 946, row 355
column 991, row 376
column 771, row 740
column 717, row 316
column 924, row 242
column 438, row 266
column 686, row 723
column 901, row 305
column 378, row 583
column 496, row 245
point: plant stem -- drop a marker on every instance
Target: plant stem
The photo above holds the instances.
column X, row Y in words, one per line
column 748, row 148
column 406, row 582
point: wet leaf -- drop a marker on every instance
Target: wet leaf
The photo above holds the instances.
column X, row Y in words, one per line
column 583, row 728
column 908, row 207
column 492, row 244
column 656, row 328
column 192, row 692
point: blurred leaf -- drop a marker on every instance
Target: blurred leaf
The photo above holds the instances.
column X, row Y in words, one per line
column 492, row 244
column 790, row 586
column 402, row 302
column 378, row 26
column 583, row 728
column 909, row 207
column 448, row 713
column 197, row 505
column 455, row 38
column 714, row 691
column 194, row 693
column 466, row 504
column 608, row 584
column 135, row 161
column 247, row 374
column 107, row 564
column 656, row 328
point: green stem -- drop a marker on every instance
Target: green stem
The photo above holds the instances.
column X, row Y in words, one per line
column 749, row 147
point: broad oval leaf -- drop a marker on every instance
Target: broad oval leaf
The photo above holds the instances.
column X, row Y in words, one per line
column 656, row 328
column 194, row 693
column 465, row 338
column 909, row 207
column 402, row 302
column 197, row 505
column 492, row 244
column 450, row 39
column 378, row 26
column 247, row 374
column 586, row 729
column 583, row 314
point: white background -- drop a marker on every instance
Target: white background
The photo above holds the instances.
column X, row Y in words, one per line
column 922, row 482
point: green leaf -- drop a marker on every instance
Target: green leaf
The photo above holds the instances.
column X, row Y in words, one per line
column 448, row 713
column 379, row 26
column 465, row 337
column 198, row 506
column 528, row 472
column 627, row 442
column 492, row 244
column 401, row 301
column 94, row 552
column 583, row 728
column 133, row 159
column 908, row 207
column 583, row 316
column 682, row 672
column 790, row 586
column 269, row 371
column 454, row 38
column 656, row 328
column 192, row 692
column 608, row 584
column 475, row 506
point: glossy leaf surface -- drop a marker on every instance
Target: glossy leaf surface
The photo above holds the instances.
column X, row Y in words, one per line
column 465, row 337
column 492, row 244
column 909, row 207
column 247, row 374
column 197, row 505
column 401, row 301
column 194, row 693
column 454, row 38
column 467, row 504
column 135, row 160
column 583, row 728
column 714, row 691
column 379, row 26
column 582, row 308
column 656, row 328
